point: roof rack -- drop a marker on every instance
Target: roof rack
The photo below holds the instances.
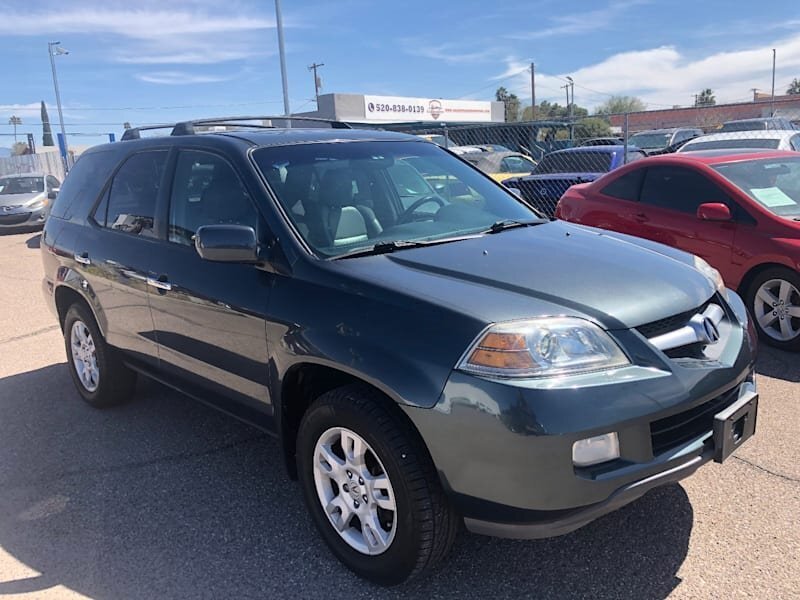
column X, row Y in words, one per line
column 188, row 127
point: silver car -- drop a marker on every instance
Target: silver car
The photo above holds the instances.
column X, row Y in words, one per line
column 24, row 199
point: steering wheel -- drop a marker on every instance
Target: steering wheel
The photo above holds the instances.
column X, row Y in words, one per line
column 405, row 217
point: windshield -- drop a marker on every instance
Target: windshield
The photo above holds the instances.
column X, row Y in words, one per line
column 650, row 140
column 343, row 197
column 574, row 162
column 731, row 143
column 21, row 185
column 773, row 183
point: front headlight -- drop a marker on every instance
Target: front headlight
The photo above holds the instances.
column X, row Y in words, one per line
column 710, row 272
column 541, row 348
column 36, row 203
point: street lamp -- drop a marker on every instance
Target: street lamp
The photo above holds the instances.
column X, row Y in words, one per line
column 53, row 49
column 15, row 120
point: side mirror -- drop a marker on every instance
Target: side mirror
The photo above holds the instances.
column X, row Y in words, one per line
column 714, row 211
column 227, row 243
column 53, row 193
column 516, row 192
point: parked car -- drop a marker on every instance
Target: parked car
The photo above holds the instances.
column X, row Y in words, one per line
column 762, row 124
column 24, row 199
column 740, row 212
column 420, row 365
column 656, row 140
column 501, row 165
column 436, row 138
column 773, row 140
column 558, row 170
column 603, row 141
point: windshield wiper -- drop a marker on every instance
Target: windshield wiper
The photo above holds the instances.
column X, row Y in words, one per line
column 391, row 246
column 499, row 226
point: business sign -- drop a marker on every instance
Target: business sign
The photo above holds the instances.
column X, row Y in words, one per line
column 395, row 109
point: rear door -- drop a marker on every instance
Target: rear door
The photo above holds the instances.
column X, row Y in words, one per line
column 210, row 317
column 615, row 205
column 115, row 250
column 668, row 202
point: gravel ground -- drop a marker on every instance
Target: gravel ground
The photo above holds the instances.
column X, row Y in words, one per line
column 165, row 498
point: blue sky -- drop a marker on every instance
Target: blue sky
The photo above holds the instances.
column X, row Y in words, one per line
column 153, row 61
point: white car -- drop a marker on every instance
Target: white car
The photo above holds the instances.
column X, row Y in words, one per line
column 786, row 139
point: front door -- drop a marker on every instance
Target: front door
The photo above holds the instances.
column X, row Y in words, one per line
column 210, row 318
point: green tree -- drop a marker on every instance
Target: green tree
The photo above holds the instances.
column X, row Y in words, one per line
column 546, row 110
column 511, row 102
column 705, row 98
column 620, row 104
column 19, row 148
column 47, row 133
column 591, row 127
column 794, row 87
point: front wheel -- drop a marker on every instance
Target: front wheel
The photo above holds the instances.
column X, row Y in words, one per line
column 773, row 299
column 371, row 487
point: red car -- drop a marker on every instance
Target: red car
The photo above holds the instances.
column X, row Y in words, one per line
column 738, row 211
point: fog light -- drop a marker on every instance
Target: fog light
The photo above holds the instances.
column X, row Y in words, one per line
column 593, row 450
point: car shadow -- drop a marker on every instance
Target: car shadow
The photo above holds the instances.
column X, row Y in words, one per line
column 166, row 498
column 34, row 242
column 778, row 363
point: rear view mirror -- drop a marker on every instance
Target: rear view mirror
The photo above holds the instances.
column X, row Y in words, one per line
column 53, row 193
column 714, row 211
column 227, row 243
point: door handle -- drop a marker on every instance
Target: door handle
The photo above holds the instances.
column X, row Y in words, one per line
column 83, row 258
column 160, row 283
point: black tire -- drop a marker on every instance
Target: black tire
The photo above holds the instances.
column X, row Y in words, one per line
column 116, row 382
column 776, row 273
column 426, row 524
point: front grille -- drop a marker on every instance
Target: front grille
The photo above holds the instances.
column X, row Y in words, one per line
column 671, row 432
column 662, row 326
column 15, row 219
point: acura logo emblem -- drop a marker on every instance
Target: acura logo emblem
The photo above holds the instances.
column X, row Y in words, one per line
column 711, row 331
column 6, row 208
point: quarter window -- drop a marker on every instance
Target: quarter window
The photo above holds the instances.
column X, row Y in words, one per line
column 677, row 188
column 206, row 191
column 515, row 164
column 52, row 183
column 130, row 203
column 625, row 187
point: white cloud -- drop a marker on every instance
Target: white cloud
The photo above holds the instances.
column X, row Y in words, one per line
column 180, row 78
column 582, row 22
column 664, row 76
column 449, row 53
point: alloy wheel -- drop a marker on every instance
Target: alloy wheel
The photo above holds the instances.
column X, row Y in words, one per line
column 84, row 356
column 354, row 491
column 777, row 309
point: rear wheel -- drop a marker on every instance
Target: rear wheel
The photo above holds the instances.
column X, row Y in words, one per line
column 774, row 301
column 96, row 368
column 371, row 487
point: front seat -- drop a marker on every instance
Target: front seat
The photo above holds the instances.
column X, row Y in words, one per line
column 343, row 223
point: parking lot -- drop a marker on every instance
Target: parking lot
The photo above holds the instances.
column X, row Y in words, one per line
column 165, row 498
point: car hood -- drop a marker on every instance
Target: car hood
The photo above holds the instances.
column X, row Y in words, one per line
column 17, row 199
column 551, row 269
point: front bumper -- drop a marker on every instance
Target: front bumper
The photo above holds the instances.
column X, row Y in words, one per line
column 20, row 218
column 504, row 449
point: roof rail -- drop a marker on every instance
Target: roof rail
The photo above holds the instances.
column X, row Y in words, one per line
column 132, row 133
column 188, row 127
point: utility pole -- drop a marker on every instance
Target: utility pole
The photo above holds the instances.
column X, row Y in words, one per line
column 695, row 99
column 572, row 89
column 317, row 84
column 755, row 94
column 282, row 53
column 772, row 104
column 566, row 87
column 15, row 120
column 533, row 92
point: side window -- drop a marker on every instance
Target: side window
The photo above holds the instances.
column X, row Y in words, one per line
column 206, row 191
column 633, row 156
column 514, row 164
column 131, row 198
column 795, row 142
column 52, row 183
column 626, row 187
column 678, row 188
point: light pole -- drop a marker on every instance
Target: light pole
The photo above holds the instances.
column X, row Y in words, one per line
column 281, row 51
column 53, row 49
column 772, row 102
column 15, row 120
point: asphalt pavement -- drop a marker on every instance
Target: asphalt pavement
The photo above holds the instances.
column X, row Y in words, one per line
column 166, row 498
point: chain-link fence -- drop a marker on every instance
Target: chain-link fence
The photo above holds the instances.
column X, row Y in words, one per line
column 543, row 158
column 48, row 163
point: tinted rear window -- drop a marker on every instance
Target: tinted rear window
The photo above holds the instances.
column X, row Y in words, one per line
column 737, row 143
column 574, row 162
column 83, row 184
column 626, row 187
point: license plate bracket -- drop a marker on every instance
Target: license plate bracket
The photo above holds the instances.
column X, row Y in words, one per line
column 734, row 425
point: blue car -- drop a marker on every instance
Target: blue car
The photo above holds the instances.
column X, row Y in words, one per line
column 559, row 170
